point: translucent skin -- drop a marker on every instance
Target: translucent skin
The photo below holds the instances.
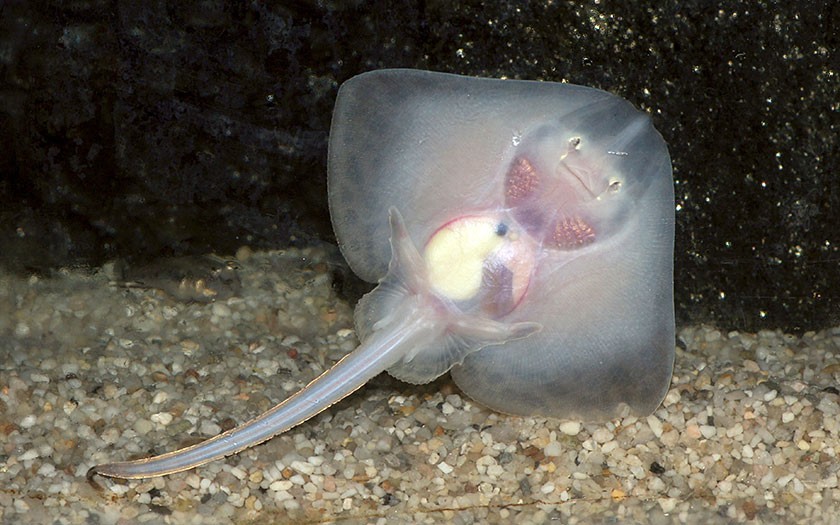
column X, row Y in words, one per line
column 544, row 218
column 578, row 170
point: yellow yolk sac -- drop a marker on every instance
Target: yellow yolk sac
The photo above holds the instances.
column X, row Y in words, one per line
column 480, row 258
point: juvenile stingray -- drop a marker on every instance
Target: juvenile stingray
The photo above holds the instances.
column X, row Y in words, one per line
column 522, row 236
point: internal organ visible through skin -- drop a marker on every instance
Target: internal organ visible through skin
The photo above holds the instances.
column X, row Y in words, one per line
column 563, row 229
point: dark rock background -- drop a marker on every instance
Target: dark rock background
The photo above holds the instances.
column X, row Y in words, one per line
column 137, row 130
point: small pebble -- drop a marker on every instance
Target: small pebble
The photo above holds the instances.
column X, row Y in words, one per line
column 209, row 428
column 445, row 467
column 303, row 467
column 221, row 310
column 160, row 397
column 21, row 330
column 655, row 425
column 143, row 426
column 708, row 431
column 570, row 428
column 163, row 418
column 29, row 454
column 553, row 449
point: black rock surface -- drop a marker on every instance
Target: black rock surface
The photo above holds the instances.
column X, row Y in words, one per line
column 137, row 130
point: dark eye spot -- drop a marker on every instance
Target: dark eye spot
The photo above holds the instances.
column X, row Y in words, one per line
column 501, row 229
